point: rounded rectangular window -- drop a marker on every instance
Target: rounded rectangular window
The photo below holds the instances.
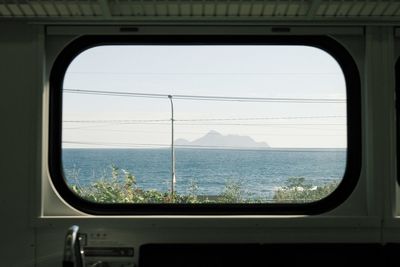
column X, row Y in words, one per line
column 204, row 125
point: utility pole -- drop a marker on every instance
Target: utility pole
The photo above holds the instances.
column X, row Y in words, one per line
column 173, row 178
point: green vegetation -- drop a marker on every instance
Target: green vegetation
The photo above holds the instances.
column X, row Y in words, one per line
column 297, row 191
column 121, row 188
column 232, row 193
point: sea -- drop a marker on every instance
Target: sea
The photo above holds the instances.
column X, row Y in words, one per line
column 258, row 172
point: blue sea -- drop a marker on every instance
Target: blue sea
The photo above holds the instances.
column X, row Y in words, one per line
column 259, row 172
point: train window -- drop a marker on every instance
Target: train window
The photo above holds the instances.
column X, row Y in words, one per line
column 204, row 124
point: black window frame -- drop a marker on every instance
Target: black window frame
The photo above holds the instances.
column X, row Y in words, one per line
column 326, row 43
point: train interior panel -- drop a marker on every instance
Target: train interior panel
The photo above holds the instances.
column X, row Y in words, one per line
column 199, row 133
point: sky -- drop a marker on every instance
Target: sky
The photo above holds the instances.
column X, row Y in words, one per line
column 245, row 71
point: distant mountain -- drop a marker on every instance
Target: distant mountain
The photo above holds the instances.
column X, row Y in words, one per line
column 215, row 139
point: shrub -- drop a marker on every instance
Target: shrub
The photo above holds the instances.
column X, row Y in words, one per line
column 121, row 187
column 232, row 193
column 297, row 190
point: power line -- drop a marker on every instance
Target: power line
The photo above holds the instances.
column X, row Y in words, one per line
column 113, row 93
column 91, row 127
column 205, row 73
column 265, row 124
column 126, row 145
column 262, row 118
column 236, row 124
column 204, row 119
column 162, row 145
column 197, row 133
column 113, row 121
column 206, row 98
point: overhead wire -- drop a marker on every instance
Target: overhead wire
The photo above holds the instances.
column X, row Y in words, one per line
column 233, row 124
column 203, row 73
column 107, row 144
column 204, row 119
column 201, row 121
column 196, row 133
column 205, row 97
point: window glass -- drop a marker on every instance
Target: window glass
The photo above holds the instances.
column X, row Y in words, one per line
column 204, row 124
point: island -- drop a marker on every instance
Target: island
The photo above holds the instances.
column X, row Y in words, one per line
column 214, row 139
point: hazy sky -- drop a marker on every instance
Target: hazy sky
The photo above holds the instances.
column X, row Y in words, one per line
column 229, row 71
